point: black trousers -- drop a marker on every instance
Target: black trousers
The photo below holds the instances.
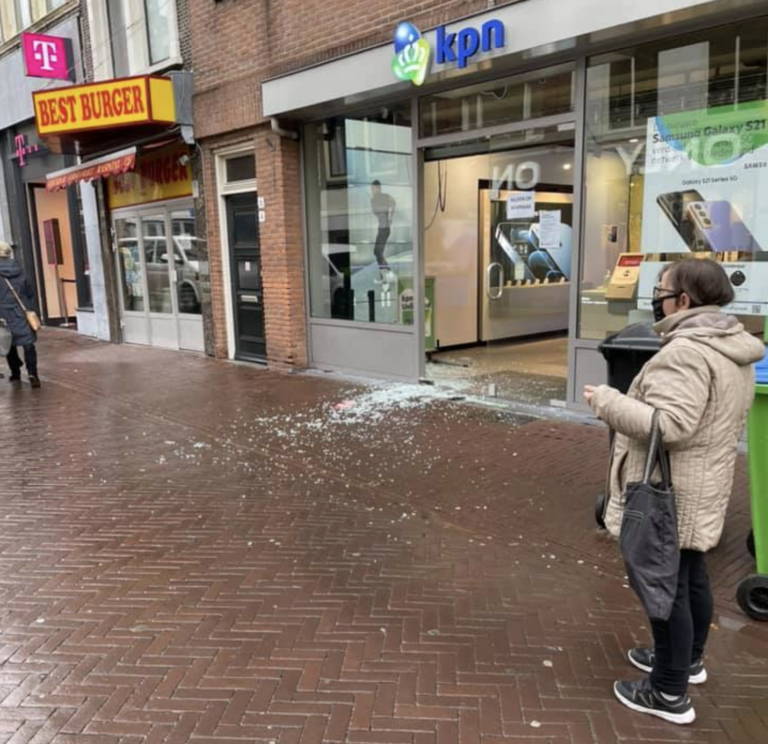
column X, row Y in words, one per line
column 680, row 641
column 30, row 360
column 382, row 236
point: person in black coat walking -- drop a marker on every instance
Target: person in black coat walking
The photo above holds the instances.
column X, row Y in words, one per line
column 12, row 280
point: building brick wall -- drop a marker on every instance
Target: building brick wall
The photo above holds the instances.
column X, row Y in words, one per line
column 237, row 45
column 323, row 31
column 282, row 248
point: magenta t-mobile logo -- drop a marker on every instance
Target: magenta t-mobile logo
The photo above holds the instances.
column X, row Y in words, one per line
column 45, row 53
column 46, row 56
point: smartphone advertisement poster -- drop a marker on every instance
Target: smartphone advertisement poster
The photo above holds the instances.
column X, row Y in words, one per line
column 706, row 175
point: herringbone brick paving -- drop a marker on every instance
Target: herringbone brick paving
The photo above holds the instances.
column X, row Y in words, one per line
column 191, row 553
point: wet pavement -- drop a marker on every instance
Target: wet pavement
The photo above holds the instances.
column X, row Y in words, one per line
column 198, row 551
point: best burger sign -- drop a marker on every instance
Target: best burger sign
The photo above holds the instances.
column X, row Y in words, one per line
column 80, row 108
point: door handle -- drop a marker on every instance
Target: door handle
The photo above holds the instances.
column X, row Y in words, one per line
column 251, row 299
column 498, row 291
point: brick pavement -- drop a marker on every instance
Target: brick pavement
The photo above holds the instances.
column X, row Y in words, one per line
column 200, row 552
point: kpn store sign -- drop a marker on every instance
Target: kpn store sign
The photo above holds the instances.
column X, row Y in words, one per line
column 413, row 53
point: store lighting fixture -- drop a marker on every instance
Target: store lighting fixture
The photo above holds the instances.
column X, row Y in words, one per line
column 567, row 166
column 634, row 141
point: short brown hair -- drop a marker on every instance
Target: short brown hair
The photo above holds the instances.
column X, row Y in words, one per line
column 702, row 279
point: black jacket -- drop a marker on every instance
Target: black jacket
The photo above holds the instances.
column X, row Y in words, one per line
column 10, row 312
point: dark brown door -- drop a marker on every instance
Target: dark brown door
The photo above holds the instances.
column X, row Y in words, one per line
column 247, row 288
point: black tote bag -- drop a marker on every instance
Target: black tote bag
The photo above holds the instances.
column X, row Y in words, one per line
column 648, row 538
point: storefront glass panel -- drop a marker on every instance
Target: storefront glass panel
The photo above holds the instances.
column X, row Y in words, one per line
column 676, row 164
column 359, row 182
column 156, row 258
column 160, row 257
column 129, row 260
column 189, row 259
column 158, row 30
column 117, row 38
column 498, row 250
column 514, row 99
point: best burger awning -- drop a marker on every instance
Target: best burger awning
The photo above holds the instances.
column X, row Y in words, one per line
column 110, row 165
column 136, row 101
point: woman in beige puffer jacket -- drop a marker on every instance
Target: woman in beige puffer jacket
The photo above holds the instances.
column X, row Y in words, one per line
column 702, row 384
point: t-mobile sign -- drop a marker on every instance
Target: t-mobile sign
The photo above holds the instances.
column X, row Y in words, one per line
column 47, row 56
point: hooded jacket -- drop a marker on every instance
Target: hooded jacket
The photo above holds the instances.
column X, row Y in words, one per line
column 702, row 383
column 10, row 311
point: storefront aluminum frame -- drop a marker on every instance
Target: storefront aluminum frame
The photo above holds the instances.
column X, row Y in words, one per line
column 376, row 340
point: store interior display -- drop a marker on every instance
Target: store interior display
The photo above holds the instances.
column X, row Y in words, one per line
column 675, row 156
column 498, row 243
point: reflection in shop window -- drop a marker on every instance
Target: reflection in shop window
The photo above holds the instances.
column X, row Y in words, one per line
column 84, row 291
column 359, row 217
column 519, row 98
column 129, row 259
column 118, row 39
column 190, row 261
column 25, row 13
column 676, row 164
column 241, row 168
column 156, row 257
column 158, row 30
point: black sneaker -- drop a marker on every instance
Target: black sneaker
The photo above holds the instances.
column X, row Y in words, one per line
column 34, row 381
column 644, row 659
column 642, row 698
column 14, row 378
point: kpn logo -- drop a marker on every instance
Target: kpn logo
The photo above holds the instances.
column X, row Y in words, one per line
column 412, row 53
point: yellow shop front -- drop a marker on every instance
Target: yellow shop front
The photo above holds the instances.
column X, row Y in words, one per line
column 130, row 138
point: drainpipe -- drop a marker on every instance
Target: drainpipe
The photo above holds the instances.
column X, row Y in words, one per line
column 280, row 132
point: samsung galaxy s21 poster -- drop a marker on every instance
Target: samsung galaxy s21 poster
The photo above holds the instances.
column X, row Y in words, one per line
column 706, row 176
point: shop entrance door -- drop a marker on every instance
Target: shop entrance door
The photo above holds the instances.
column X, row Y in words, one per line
column 159, row 275
column 57, row 255
column 526, row 242
column 247, row 288
column 498, row 248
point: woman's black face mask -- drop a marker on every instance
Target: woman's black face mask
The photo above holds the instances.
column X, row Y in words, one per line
column 659, row 298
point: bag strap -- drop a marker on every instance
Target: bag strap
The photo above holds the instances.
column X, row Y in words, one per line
column 15, row 294
column 657, row 454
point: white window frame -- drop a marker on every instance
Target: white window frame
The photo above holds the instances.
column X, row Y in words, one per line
column 224, row 189
column 137, row 39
